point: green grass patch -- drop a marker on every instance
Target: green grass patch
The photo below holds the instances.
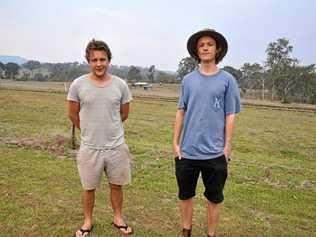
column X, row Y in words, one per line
column 270, row 190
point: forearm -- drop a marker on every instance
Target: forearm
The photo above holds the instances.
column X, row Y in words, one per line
column 123, row 117
column 75, row 120
column 124, row 111
column 178, row 127
column 229, row 129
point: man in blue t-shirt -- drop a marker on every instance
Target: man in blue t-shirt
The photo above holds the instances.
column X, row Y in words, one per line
column 205, row 118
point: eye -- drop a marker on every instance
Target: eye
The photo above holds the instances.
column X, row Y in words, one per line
column 201, row 45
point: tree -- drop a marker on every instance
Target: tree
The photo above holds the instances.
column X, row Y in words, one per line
column 39, row 77
column 134, row 74
column 235, row 72
column 252, row 77
column 288, row 80
column 186, row 66
column 151, row 73
column 32, row 65
column 166, row 77
column 2, row 70
column 300, row 84
column 2, row 66
column 11, row 70
column 278, row 60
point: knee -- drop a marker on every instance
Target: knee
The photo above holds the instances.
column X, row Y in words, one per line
column 89, row 191
column 116, row 187
column 187, row 201
column 213, row 204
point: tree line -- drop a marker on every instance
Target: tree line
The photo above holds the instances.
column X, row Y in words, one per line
column 281, row 77
column 36, row 71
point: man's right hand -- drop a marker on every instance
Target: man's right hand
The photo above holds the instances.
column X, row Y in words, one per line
column 176, row 151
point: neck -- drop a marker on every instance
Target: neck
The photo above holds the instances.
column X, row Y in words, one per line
column 208, row 68
column 104, row 77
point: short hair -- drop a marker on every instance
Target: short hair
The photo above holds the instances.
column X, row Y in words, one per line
column 98, row 45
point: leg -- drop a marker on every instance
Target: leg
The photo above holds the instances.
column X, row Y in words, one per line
column 90, row 167
column 186, row 207
column 88, row 197
column 187, row 175
column 88, row 204
column 117, row 204
column 214, row 174
column 212, row 217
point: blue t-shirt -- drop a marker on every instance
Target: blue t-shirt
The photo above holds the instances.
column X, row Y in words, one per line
column 206, row 101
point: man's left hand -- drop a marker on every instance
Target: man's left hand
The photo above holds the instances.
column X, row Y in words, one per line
column 227, row 151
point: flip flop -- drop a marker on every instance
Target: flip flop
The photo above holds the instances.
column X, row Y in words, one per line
column 83, row 232
column 185, row 233
column 125, row 227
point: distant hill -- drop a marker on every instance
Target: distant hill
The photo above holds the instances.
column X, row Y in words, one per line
column 12, row 59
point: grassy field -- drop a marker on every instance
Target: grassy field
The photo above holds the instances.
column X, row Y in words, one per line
column 271, row 189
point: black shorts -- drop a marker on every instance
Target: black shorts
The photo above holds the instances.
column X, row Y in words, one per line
column 214, row 175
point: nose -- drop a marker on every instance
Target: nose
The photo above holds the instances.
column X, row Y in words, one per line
column 98, row 63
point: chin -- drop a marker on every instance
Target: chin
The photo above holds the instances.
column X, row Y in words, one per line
column 99, row 74
column 206, row 60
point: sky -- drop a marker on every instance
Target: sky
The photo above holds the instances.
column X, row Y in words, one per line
column 144, row 33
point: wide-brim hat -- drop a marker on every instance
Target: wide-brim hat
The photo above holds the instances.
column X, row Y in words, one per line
column 221, row 43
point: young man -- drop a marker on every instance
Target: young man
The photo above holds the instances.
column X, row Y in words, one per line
column 207, row 106
column 98, row 104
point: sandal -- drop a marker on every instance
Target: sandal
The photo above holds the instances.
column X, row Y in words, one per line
column 185, row 233
column 125, row 227
column 84, row 232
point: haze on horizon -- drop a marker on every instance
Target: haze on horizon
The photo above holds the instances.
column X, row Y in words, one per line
column 146, row 33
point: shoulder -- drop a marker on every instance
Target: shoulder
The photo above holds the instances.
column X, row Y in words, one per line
column 79, row 80
column 226, row 75
column 189, row 76
column 119, row 82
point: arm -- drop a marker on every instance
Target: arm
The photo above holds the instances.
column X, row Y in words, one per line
column 124, row 111
column 177, row 132
column 73, row 113
column 229, row 131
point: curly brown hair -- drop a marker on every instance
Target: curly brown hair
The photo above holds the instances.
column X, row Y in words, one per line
column 98, row 45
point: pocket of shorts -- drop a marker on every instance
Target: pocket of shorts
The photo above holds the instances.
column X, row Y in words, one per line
column 225, row 159
column 127, row 152
column 81, row 154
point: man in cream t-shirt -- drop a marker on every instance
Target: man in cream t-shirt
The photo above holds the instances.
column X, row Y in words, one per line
column 98, row 104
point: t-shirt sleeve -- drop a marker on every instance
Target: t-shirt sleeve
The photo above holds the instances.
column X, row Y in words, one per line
column 183, row 99
column 126, row 94
column 232, row 98
column 73, row 93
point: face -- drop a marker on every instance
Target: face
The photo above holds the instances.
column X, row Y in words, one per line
column 98, row 62
column 206, row 49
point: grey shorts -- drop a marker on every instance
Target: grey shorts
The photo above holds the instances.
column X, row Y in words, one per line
column 116, row 164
